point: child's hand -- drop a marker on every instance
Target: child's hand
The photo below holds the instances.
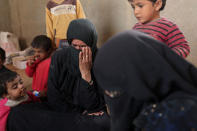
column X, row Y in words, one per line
column 31, row 60
column 39, row 93
column 36, row 93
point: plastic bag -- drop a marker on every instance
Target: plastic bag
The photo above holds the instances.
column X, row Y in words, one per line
column 9, row 42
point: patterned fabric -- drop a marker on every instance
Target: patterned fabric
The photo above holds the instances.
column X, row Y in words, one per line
column 172, row 115
column 167, row 32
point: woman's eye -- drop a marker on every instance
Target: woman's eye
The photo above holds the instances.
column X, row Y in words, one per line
column 14, row 87
column 21, row 82
column 112, row 94
column 140, row 6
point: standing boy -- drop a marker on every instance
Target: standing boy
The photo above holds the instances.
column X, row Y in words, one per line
column 59, row 13
column 147, row 13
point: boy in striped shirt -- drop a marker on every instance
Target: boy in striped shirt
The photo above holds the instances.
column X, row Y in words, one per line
column 147, row 13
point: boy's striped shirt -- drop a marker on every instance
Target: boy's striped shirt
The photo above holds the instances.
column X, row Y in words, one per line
column 167, row 32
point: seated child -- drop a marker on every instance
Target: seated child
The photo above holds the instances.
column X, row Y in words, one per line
column 12, row 93
column 2, row 60
column 147, row 13
column 38, row 64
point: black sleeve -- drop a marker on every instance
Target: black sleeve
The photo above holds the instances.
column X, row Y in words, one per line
column 66, row 88
column 90, row 97
column 55, row 97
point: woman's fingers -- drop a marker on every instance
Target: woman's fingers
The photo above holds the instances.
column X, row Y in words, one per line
column 87, row 54
column 85, row 59
column 90, row 55
column 85, row 63
column 83, row 54
column 80, row 56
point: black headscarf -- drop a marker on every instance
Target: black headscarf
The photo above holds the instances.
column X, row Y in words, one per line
column 140, row 70
column 85, row 31
column 64, row 69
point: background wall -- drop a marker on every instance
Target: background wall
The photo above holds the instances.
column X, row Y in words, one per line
column 5, row 16
column 183, row 13
column 26, row 18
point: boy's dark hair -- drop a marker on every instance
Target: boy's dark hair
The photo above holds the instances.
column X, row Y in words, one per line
column 2, row 54
column 43, row 42
column 6, row 77
column 163, row 3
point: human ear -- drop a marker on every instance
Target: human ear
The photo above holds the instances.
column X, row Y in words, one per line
column 158, row 5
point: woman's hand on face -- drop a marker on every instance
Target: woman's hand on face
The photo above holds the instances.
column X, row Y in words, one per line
column 85, row 63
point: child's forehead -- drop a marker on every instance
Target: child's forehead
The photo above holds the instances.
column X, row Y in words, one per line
column 38, row 49
column 15, row 80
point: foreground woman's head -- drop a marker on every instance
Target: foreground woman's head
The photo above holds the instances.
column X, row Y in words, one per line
column 133, row 70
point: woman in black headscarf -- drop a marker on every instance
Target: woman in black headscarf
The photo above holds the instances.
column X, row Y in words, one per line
column 71, row 84
column 147, row 86
column 74, row 101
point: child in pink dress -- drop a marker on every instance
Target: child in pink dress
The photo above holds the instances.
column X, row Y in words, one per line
column 12, row 93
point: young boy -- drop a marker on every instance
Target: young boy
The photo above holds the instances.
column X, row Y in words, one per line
column 12, row 93
column 59, row 13
column 2, row 60
column 38, row 65
column 147, row 13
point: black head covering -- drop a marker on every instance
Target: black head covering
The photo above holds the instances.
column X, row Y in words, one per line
column 139, row 70
column 85, row 31
column 64, row 69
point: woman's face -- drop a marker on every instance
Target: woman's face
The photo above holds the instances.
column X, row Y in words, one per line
column 78, row 44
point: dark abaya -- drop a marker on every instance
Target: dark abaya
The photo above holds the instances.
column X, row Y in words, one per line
column 38, row 117
column 136, row 71
column 67, row 91
column 69, row 96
